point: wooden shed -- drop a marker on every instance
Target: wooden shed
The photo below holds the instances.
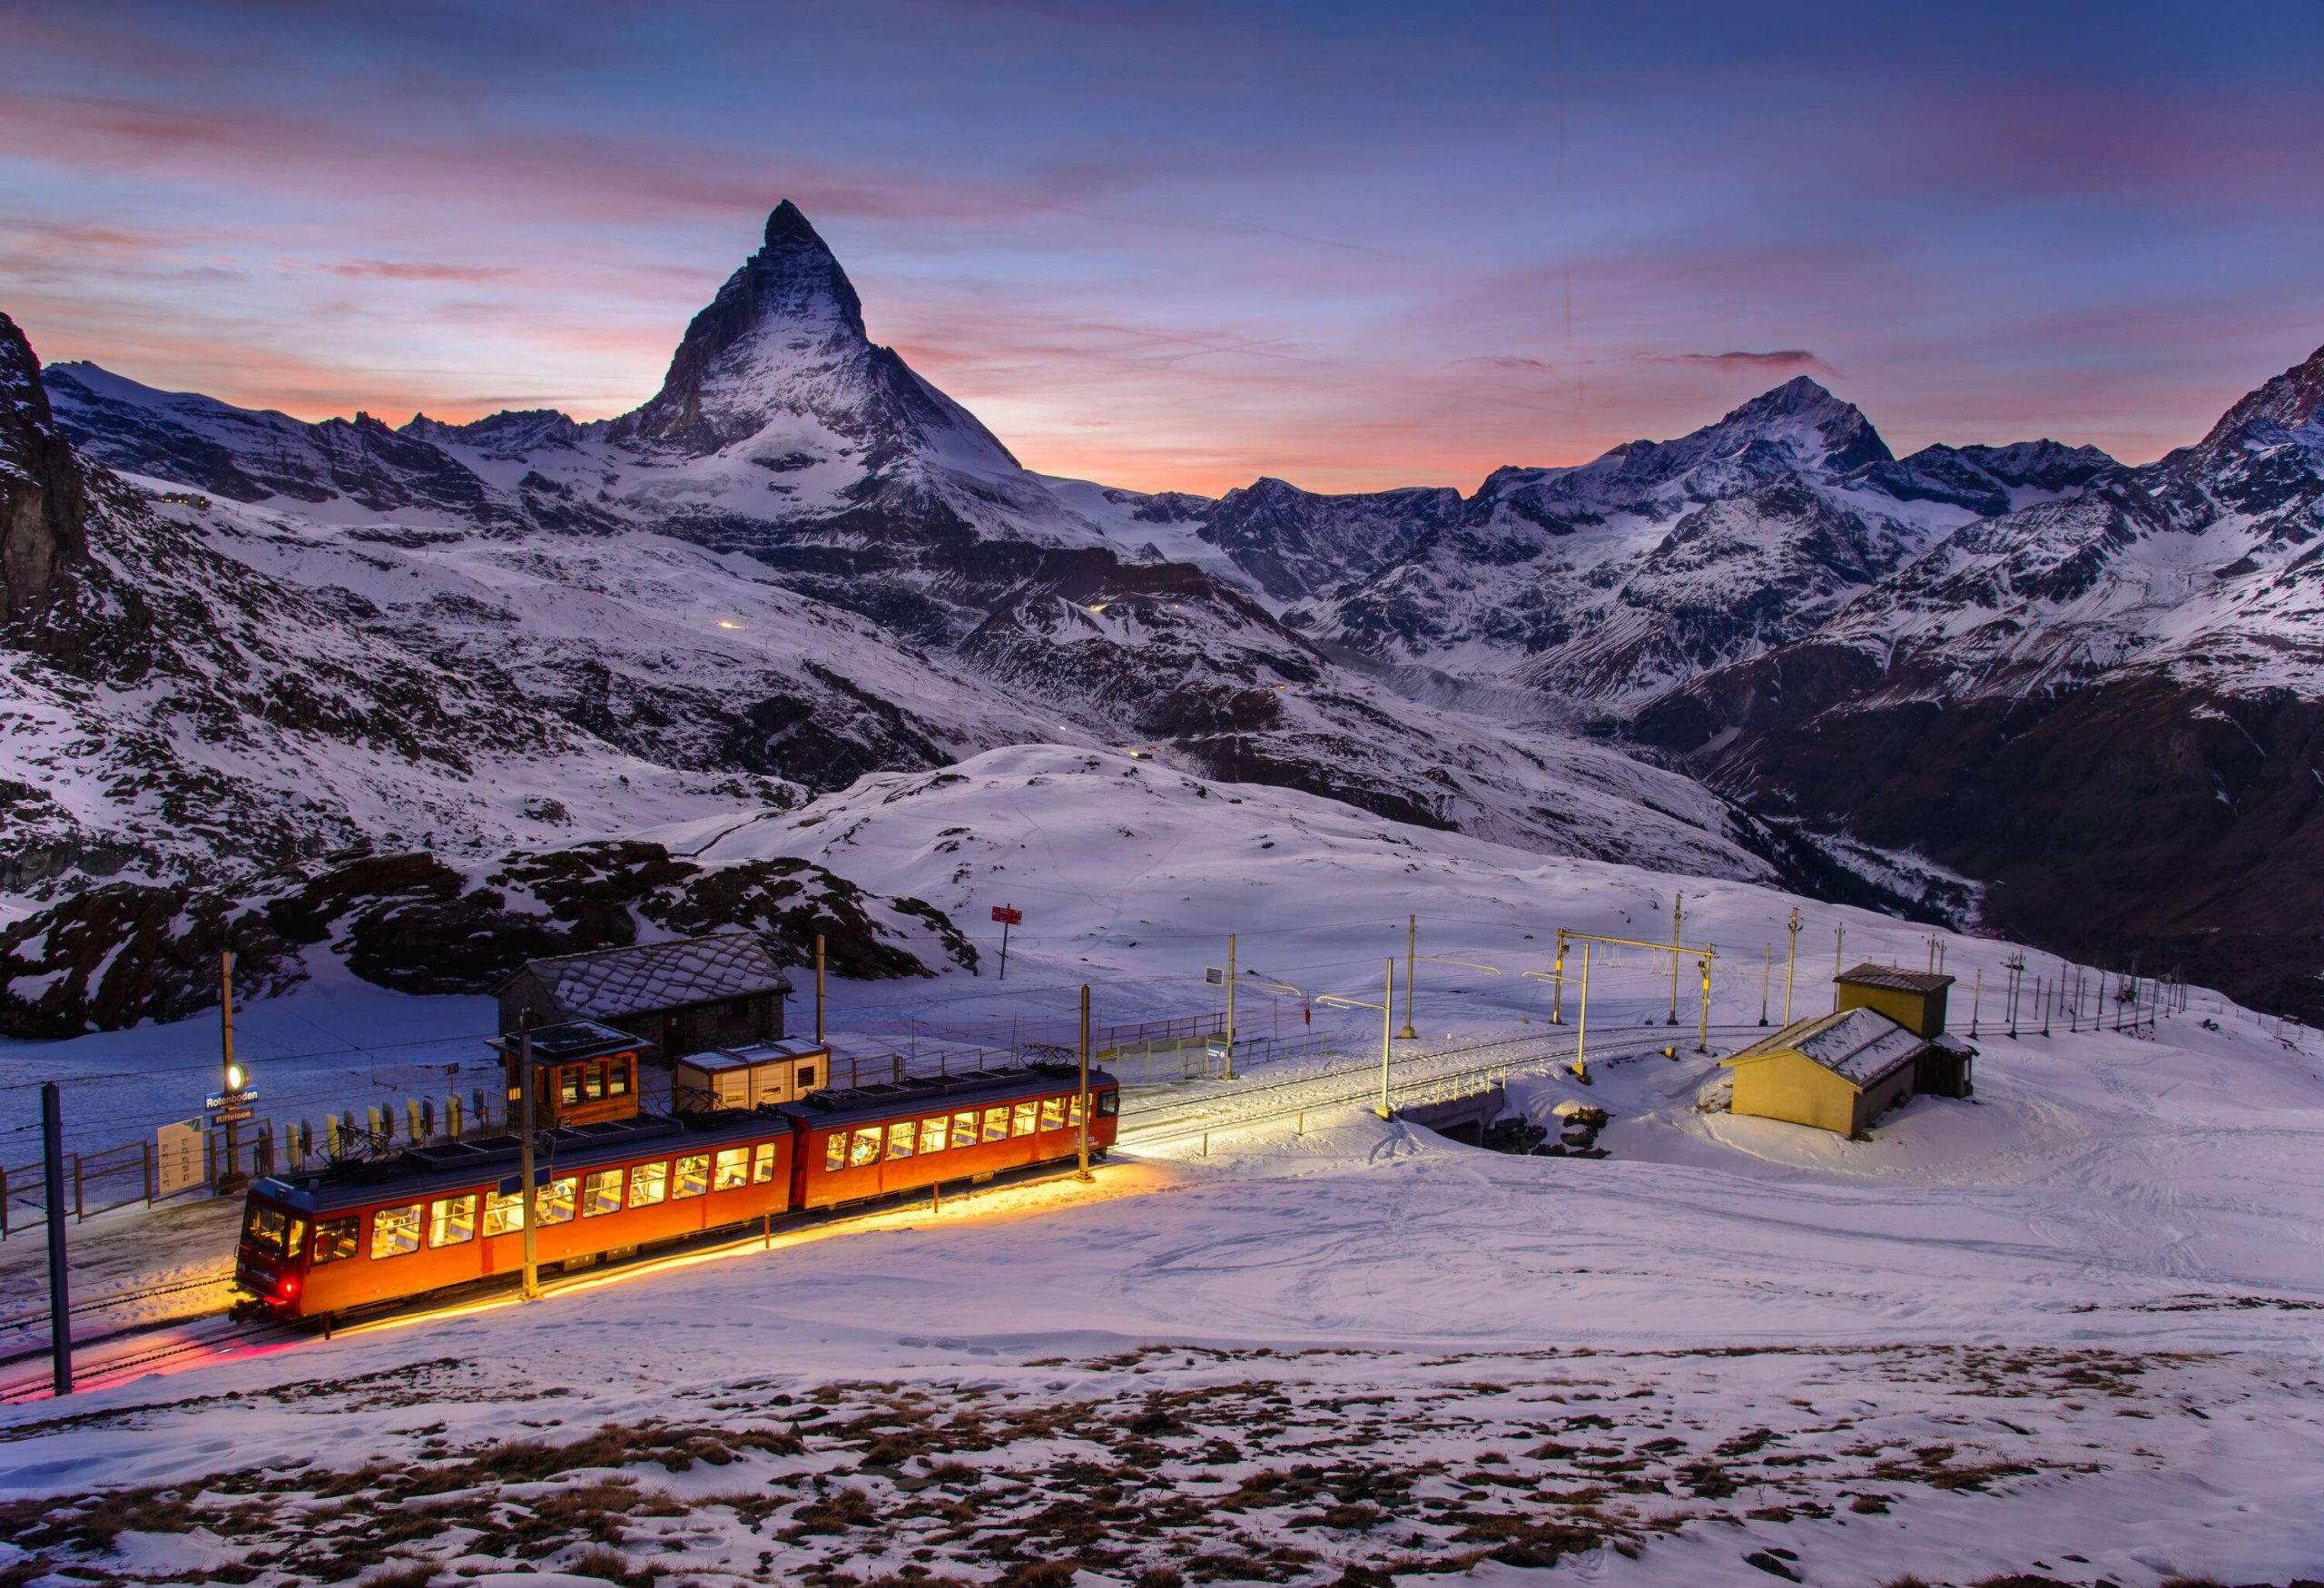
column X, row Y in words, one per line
column 680, row 996
column 584, row 1073
column 1914, row 999
column 1838, row 1071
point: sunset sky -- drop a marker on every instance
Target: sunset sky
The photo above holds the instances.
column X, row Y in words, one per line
column 1185, row 245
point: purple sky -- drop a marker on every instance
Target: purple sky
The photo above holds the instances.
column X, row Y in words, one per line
column 1185, row 245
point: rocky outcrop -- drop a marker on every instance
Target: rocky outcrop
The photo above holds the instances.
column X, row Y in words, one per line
column 119, row 954
column 42, row 497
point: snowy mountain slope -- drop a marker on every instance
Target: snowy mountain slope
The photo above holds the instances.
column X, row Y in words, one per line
column 2110, row 704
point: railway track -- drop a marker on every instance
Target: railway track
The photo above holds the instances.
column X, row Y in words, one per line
column 210, row 1337
column 1232, row 1111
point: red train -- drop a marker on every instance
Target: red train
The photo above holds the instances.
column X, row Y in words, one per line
column 346, row 1236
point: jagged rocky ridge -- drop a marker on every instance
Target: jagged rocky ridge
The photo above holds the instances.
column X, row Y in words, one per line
column 120, row 953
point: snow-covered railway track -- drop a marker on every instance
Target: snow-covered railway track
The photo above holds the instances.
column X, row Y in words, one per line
column 217, row 1336
column 1160, row 1123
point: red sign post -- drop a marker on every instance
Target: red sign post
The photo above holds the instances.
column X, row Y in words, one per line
column 1007, row 916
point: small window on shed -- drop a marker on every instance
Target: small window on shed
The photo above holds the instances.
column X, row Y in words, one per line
column 617, row 1076
column 557, row 1199
column 648, row 1184
column 932, row 1134
column 693, row 1177
column 1023, row 1117
column 593, row 1081
column 601, row 1193
column 733, row 1169
column 1052, row 1113
column 454, row 1220
column 568, row 1083
column 763, row 1162
column 863, row 1146
column 335, row 1239
column 806, row 1078
column 503, row 1213
column 902, row 1135
column 395, row 1230
column 996, row 1124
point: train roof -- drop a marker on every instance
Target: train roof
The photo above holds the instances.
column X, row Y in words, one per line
column 920, row 1094
column 453, row 1166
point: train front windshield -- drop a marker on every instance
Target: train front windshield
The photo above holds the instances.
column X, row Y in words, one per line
column 271, row 1232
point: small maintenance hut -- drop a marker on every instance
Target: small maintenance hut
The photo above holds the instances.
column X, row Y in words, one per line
column 780, row 1072
column 1838, row 1071
column 584, row 1073
column 1914, row 1000
column 682, row 996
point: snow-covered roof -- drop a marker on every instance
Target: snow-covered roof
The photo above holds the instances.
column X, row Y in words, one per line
column 1871, row 975
column 1861, row 1045
column 613, row 982
column 782, row 1051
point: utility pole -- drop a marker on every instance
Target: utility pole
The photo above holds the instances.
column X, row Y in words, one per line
column 59, row 1299
column 1412, row 952
column 532, row 1282
column 1678, row 902
column 1977, row 1001
column 819, row 987
column 1839, row 944
column 1702, row 1037
column 1387, row 1033
column 2041, row 997
column 1581, row 1027
column 1557, row 984
column 228, row 1073
column 1790, row 964
column 1230, row 1006
column 1082, row 1173
column 1766, row 974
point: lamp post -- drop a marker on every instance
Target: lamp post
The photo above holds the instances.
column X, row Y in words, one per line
column 1412, row 952
column 531, row 1198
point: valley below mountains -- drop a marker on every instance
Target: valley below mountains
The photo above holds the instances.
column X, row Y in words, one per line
column 244, row 658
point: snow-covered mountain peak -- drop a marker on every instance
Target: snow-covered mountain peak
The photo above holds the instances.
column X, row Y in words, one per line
column 783, row 342
column 2291, row 402
column 1801, row 420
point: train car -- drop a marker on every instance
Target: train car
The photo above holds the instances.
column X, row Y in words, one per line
column 433, row 1216
column 353, row 1235
column 877, row 1140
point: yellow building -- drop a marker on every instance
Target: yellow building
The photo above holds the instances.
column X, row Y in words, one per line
column 1838, row 1071
column 1913, row 1000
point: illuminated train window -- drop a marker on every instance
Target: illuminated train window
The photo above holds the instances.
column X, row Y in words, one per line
column 1052, row 1113
column 763, row 1162
column 1023, row 1117
column 648, row 1183
column 395, row 1230
column 964, row 1129
column 1073, row 1109
column 454, row 1221
column 602, row 1194
column 556, row 1200
column 335, row 1238
column 694, row 1175
column 996, row 1124
column 932, row 1134
column 504, row 1214
column 835, row 1152
column 734, row 1170
column 863, row 1146
column 901, row 1137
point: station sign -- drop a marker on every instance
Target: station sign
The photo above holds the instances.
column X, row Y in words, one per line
column 1007, row 916
column 233, row 1116
column 230, row 1099
column 1214, row 975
